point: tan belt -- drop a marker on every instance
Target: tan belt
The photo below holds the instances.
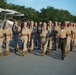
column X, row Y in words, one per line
column 24, row 35
column 43, row 37
column 1, row 36
column 7, row 34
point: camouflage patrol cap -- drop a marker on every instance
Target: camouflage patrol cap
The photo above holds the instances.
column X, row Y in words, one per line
column 56, row 22
column 44, row 24
column 25, row 23
column 32, row 21
column 59, row 23
column 68, row 22
column 71, row 23
column 40, row 23
column 50, row 21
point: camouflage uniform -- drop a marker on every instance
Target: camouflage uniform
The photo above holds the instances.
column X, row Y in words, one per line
column 16, row 30
column 50, row 42
column 74, row 31
column 56, row 31
column 8, row 37
column 36, row 35
column 72, row 36
column 24, row 37
column 1, row 41
column 44, row 39
column 32, row 33
column 67, row 47
column 39, row 31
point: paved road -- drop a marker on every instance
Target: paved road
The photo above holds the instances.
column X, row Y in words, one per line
column 35, row 64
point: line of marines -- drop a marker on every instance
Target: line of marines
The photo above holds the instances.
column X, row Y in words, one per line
column 46, row 36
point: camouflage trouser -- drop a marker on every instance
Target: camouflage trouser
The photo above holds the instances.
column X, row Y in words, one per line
column 50, row 44
column 71, row 44
column 44, row 44
column 56, row 43
column 32, row 42
column 36, row 39
column 7, row 45
column 25, row 45
column 1, row 42
column 67, row 47
column 74, row 42
column 39, row 40
column 16, row 41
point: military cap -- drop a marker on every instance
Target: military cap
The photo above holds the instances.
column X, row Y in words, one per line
column 32, row 21
column 44, row 24
column 25, row 23
column 50, row 21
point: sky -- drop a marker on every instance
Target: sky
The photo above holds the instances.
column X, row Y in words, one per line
column 69, row 5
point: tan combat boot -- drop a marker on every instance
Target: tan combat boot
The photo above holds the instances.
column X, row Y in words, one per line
column 26, row 52
column 43, row 54
column 56, row 47
column 50, row 51
column 7, row 53
column 31, row 51
column 66, row 53
column 1, row 55
column 23, row 53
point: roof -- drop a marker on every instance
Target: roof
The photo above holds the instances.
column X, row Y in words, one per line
column 10, row 12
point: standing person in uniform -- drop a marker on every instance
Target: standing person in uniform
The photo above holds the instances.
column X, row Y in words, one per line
column 67, row 47
column 50, row 42
column 72, row 38
column 39, row 31
column 44, row 38
column 16, row 30
column 74, row 32
column 32, row 33
column 25, row 37
column 8, row 37
column 36, row 35
column 62, row 39
column 1, row 41
column 56, row 31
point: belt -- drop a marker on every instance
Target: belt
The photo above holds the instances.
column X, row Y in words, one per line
column 16, row 33
column 62, row 38
column 24, row 35
column 1, row 36
column 7, row 34
column 43, row 37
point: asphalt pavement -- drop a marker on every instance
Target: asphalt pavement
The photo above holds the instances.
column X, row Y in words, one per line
column 35, row 64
